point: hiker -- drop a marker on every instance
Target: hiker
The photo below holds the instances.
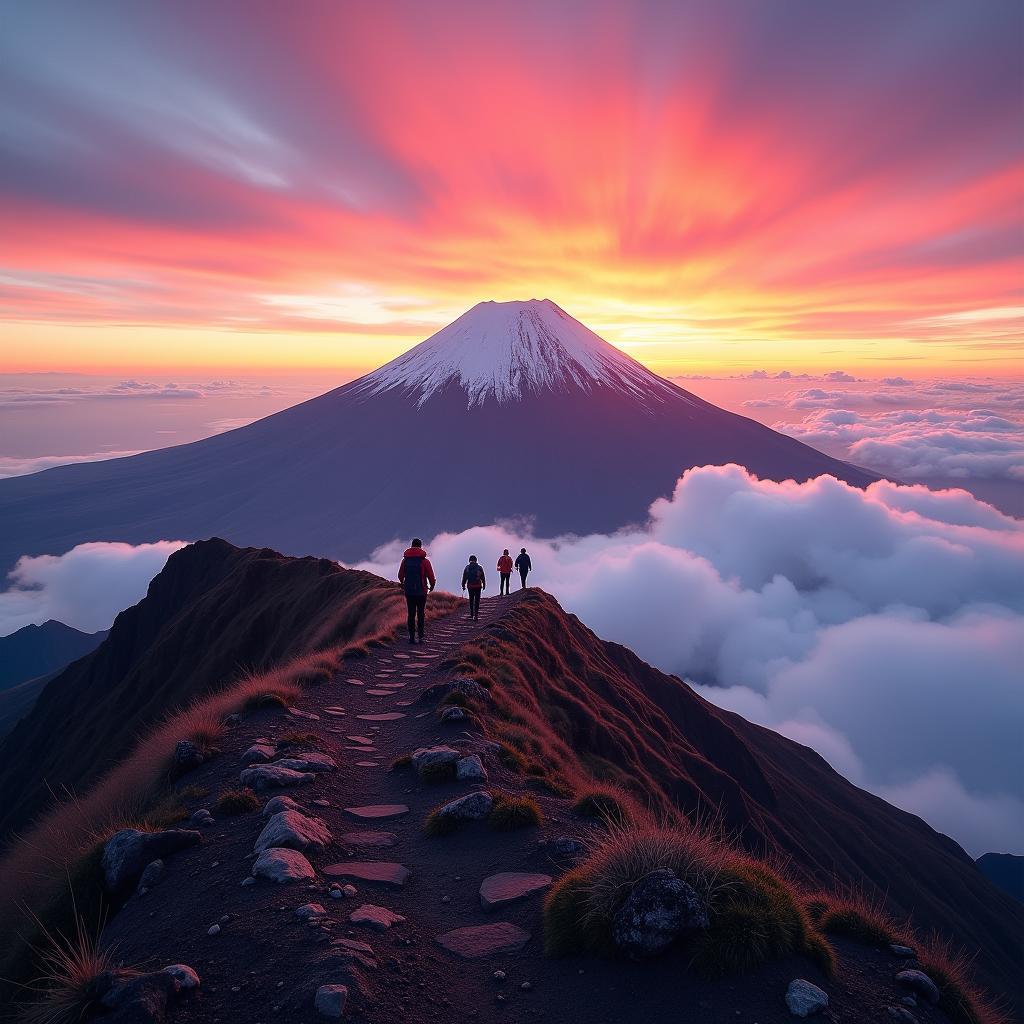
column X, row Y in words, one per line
column 473, row 579
column 505, row 570
column 524, row 565
column 416, row 575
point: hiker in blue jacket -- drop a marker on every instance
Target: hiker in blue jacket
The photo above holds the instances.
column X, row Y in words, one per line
column 524, row 565
column 474, row 581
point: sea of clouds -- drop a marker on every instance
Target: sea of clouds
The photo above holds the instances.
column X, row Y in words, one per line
column 884, row 628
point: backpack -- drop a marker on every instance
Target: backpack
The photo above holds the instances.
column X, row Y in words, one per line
column 414, row 577
column 474, row 574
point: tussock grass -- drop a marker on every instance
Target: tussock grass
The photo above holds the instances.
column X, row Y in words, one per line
column 511, row 758
column 64, row 990
column 401, row 763
column 610, row 804
column 439, row 771
column 233, row 802
column 514, row 812
column 299, row 739
column 755, row 914
column 856, row 916
column 550, row 784
column 436, row 825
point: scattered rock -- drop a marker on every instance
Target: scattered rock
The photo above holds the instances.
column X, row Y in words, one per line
column 186, row 978
column 202, row 817
column 187, row 756
column 276, row 804
column 135, row 998
column 249, row 881
column 330, row 1000
column 470, row 769
column 526, row 986
column 283, row 866
column 658, row 910
column 903, row 951
column 471, row 807
column 369, row 839
column 127, row 853
column 909, row 1001
column 920, row 983
column 310, row 912
column 499, row 975
column 509, row 886
column 484, row 940
column 273, row 776
column 214, row 929
column 354, row 945
column 151, row 875
column 378, row 811
column 378, row 918
column 259, row 753
column 349, row 890
column 902, row 1014
column 567, row 847
column 293, row 830
column 805, row 999
column 308, row 761
column 429, row 757
column 454, row 714
column 371, row 871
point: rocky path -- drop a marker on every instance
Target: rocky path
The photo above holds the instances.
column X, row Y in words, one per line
column 374, row 919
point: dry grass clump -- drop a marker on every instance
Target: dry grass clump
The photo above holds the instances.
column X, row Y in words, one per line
column 439, row 771
column 509, row 813
column 64, row 990
column 963, row 1001
column 755, row 914
column 400, row 763
column 297, row 738
column 511, row 758
column 233, row 802
column 550, row 784
column 856, row 916
column 609, row 803
column 441, row 825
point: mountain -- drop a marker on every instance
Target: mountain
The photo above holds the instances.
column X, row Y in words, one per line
column 515, row 410
column 38, row 650
column 212, row 614
column 583, row 713
column 1006, row 870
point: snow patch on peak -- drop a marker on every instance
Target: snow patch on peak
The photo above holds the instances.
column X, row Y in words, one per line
column 502, row 351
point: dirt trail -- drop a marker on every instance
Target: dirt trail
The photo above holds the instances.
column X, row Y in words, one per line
column 266, row 964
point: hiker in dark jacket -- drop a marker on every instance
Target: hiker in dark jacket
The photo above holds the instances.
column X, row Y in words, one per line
column 474, row 581
column 416, row 575
column 523, row 564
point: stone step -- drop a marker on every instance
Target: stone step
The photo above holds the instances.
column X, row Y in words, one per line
column 382, row 872
column 377, row 812
column 484, row 940
column 510, row 886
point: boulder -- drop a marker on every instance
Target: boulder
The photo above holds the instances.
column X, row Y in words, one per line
column 279, row 865
column 127, row 853
column 378, row 918
column 509, row 887
column 310, row 912
column 804, row 999
column 470, row 769
column 658, row 910
column 472, row 807
column 151, row 875
column 309, row 761
column 454, row 714
column 273, row 776
column 280, row 803
column 186, row 978
column 566, row 847
column 330, row 1000
column 919, row 982
column 293, row 830
column 202, row 818
column 259, row 753
column 136, row 998
column 430, row 757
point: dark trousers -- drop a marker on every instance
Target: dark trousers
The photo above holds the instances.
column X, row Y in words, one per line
column 504, row 582
column 474, row 601
column 522, row 575
column 417, row 606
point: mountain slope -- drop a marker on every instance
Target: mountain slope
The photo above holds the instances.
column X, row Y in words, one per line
column 213, row 613
column 513, row 411
column 35, row 651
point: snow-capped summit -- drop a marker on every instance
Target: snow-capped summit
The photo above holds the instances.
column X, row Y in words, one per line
column 504, row 351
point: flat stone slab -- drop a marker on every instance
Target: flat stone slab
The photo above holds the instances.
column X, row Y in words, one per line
column 335, row 712
column 367, row 764
column 380, row 871
column 378, row 811
column 369, row 839
column 296, row 713
column 402, row 656
column 484, row 940
column 509, row 886
column 387, row 716
column 378, row 693
column 378, row 918
column 360, row 739
column 354, row 682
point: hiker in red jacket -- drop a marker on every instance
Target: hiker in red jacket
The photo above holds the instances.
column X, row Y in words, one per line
column 505, row 571
column 473, row 579
column 416, row 575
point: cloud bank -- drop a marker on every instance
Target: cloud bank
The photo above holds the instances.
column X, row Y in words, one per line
column 84, row 588
column 884, row 627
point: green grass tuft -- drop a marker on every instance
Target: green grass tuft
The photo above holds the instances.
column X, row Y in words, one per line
column 233, row 802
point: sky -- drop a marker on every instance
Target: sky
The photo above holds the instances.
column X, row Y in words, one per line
column 197, row 188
